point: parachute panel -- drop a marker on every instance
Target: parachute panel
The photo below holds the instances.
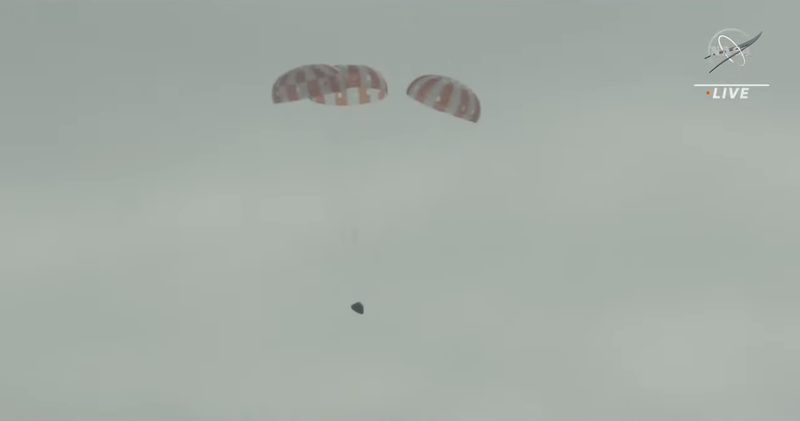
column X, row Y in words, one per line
column 354, row 85
column 304, row 82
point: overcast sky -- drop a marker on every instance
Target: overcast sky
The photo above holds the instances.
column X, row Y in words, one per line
column 607, row 243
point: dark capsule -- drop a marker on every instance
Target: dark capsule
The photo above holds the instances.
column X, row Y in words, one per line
column 358, row 308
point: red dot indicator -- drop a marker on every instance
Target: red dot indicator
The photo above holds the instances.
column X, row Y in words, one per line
column 708, row 92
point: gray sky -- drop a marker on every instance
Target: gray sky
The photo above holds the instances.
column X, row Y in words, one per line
column 607, row 243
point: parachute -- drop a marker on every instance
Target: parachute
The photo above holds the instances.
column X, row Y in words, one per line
column 447, row 95
column 358, row 308
column 330, row 85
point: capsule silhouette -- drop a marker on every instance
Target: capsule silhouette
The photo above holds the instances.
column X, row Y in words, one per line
column 358, row 308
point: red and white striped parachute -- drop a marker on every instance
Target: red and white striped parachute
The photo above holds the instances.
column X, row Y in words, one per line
column 446, row 95
column 330, row 85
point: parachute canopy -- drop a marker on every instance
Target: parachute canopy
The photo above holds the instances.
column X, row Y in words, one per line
column 330, row 85
column 446, row 95
column 358, row 308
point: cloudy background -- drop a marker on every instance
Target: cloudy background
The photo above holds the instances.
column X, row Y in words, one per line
column 607, row 243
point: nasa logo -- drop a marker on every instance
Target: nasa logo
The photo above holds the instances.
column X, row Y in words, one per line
column 735, row 50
